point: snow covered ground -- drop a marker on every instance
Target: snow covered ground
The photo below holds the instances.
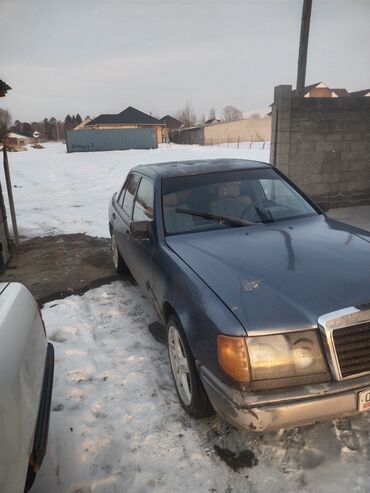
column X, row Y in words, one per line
column 56, row 192
column 116, row 425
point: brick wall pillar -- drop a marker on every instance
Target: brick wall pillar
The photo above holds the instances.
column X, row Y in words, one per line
column 280, row 127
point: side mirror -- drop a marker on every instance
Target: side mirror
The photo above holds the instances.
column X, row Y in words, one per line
column 141, row 230
column 324, row 205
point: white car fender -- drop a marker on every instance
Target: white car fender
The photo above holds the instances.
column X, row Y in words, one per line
column 23, row 348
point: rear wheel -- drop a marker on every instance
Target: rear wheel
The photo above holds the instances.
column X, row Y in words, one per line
column 189, row 387
column 118, row 262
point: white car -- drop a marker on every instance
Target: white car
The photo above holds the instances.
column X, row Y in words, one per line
column 26, row 380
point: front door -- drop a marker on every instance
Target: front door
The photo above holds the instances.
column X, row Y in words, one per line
column 141, row 250
column 123, row 218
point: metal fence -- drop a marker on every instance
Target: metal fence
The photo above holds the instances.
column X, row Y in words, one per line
column 90, row 140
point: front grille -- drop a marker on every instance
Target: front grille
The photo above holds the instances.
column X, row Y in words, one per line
column 352, row 345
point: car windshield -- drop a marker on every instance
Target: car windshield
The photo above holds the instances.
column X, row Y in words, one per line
column 229, row 199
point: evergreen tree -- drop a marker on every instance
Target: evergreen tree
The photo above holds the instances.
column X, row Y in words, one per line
column 68, row 122
column 48, row 129
column 53, row 128
column 26, row 129
column 17, row 126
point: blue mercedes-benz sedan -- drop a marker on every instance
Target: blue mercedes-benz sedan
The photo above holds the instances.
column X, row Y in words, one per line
column 265, row 299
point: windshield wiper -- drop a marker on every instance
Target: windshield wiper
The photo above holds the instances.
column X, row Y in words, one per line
column 233, row 221
column 264, row 214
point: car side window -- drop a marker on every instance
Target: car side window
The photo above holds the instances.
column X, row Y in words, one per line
column 121, row 194
column 143, row 209
column 128, row 200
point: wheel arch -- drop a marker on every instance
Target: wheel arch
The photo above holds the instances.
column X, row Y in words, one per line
column 168, row 310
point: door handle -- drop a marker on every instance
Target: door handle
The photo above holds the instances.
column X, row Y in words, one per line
column 114, row 215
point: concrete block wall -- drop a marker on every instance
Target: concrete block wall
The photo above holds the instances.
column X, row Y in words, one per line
column 323, row 144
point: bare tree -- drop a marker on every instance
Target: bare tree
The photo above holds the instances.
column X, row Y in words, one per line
column 211, row 114
column 230, row 113
column 202, row 119
column 5, row 121
column 186, row 115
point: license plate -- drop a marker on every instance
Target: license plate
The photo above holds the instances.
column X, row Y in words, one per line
column 364, row 400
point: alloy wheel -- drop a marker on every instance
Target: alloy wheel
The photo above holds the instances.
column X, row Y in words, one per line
column 179, row 365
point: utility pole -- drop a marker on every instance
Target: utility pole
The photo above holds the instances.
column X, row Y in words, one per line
column 303, row 47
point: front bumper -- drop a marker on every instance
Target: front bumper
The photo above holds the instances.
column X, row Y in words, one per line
column 283, row 408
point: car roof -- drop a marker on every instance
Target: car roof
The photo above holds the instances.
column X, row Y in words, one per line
column 198, row 166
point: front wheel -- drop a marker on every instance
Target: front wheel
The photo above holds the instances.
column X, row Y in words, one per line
column 189, row 387
column 118, row 262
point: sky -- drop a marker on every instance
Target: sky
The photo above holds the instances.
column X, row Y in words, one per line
column 100, row 56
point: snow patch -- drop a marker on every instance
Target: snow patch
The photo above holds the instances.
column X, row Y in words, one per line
column 117, row 425
column 57, row 193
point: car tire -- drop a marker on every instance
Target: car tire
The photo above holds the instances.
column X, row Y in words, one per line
column 189, row 387
column 118, row 262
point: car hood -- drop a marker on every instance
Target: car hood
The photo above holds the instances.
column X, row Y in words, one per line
column 281, row 276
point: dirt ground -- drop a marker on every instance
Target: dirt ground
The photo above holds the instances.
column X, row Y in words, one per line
column 53, row 267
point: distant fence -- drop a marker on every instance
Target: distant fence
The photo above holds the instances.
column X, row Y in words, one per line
column 91, row 140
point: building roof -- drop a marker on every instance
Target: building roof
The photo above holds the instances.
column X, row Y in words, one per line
column 4, row 88
column 16, row 135
column 200, row 166
column 171, row 122
column 340, row 92
column 308, row 88
column 129, row 116
column 364, row 92
column 212, row 120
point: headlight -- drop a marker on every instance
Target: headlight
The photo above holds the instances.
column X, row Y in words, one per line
column 285, row 355
column 288, row 357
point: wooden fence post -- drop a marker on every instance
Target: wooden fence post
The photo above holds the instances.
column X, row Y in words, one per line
column 10, row 194
column 3, row 214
